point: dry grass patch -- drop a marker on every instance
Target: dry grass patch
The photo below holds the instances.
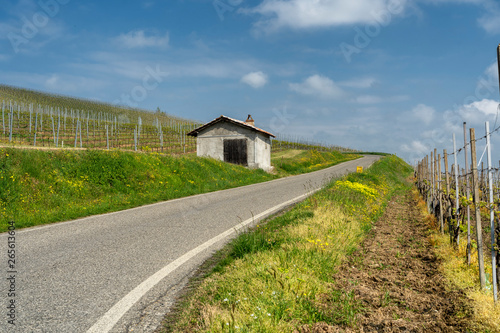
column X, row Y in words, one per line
column 486, row 316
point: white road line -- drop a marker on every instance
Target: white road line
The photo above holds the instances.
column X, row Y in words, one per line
column 110, row 318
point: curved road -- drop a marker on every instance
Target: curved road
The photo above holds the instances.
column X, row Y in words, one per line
column 120, row 271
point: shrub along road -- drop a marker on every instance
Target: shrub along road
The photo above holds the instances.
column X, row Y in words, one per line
column 120, row 271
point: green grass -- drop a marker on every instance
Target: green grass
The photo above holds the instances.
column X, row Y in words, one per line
column 370, row 153
column 44, row 186
column 39, row 187
column 278, row 276
column 293, row 162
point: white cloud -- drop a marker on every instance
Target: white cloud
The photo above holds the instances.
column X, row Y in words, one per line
column 399, row 98
column 369, row 109
column 12, row 31
column 139, row 39
column 60, row 83
column 486, row 86
column 306, row 14
column 148, row 4
column 317, row 85
column 492, row 72
column 424, row 113
column 373, row 99
column 300, row 14
column 209, row 67
column 477, row 112
column 185, row 65
column 315, row 112
column 6, row 28
column 366, row 82
column 52, row 81
column 437, row 2
column 491, row 22
column 72, row 84
column 368, row 99
column 416, row 147
column 255, row 79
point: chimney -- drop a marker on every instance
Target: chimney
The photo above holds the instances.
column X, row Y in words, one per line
column 250, row 121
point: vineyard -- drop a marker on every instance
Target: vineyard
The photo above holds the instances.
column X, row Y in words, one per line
column 31, row 118
column 41, row 120
column 466, row 203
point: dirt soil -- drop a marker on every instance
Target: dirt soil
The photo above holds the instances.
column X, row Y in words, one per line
column 394, row 277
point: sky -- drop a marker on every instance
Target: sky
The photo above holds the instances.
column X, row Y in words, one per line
column 398, row 76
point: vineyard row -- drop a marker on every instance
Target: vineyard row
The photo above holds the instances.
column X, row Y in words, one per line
column 53, row 127
column 465, row 201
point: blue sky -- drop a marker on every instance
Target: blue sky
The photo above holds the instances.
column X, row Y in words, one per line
column 387, row 75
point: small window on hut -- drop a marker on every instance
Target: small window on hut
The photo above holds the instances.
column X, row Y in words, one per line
column 235, row 151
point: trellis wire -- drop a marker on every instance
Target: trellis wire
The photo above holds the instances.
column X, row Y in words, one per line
column 438, row 199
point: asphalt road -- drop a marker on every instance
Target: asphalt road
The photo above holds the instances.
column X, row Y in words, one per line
column 120, row 272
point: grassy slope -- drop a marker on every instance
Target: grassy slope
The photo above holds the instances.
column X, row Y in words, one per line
column 278, row 276
column 22, row 95
column 39, row 187
column 294, row 162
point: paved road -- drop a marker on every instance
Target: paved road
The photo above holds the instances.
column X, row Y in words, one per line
column 121, row 271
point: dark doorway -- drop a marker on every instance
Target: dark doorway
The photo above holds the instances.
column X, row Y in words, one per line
column 235, row 151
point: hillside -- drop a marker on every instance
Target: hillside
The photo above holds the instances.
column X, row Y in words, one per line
column 26, row 96
column 33, row 118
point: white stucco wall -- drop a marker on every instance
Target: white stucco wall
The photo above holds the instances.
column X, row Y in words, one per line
column 263, row 151
column 210, row 142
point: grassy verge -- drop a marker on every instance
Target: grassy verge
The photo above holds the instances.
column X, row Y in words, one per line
column 278, row 276
column 39, row 187
column 44, row 186
column 486, row 316
column 370, row 153
column 293, row 161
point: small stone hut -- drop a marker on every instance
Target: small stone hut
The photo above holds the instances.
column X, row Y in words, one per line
column 234, row 141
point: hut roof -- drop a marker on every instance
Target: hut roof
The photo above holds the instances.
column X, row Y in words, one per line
column 223, row 118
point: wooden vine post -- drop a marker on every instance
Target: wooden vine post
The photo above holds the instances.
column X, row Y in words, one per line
column 427, row 183
column 441, row 222
column 492, row 215
column 456, row 229
column 435, row 198
column 475, row 184
column 432, row 182
column 467, row 196
column 447, row 183
column 429, row 178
